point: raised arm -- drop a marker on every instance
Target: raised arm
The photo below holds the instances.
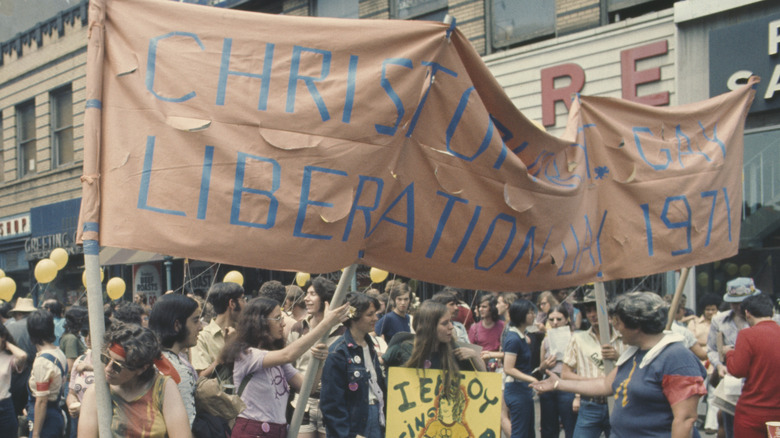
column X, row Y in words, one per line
column 294, row 350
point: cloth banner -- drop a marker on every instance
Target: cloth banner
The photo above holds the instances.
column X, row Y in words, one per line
column 309, row 144
column 416, row 408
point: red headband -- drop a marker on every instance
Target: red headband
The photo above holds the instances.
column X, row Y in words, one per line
column 162, row 363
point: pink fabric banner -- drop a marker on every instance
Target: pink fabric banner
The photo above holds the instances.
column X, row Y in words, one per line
column 308, row 144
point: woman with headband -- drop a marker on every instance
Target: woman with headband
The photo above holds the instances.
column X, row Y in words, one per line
column 145, row 403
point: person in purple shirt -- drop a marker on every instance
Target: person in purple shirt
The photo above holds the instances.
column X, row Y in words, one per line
column 259, row 354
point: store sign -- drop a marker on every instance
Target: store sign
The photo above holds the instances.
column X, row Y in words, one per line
column 15, row 226
column 630, row 79
column 148, row 281
column 40, row 247
column 748, row 49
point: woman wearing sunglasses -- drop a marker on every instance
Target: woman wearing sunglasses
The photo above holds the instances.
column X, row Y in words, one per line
column 144, row 402
column 262, row 364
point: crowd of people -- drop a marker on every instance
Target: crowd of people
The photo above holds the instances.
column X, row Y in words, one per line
column 258, row 348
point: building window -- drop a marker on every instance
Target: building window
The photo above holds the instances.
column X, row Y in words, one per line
column 2, row 151
column 62, row 126
column 433, row 10
column 25, row 135
column 515, row 21
column 337, row 8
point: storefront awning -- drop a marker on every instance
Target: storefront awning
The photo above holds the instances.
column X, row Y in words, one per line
column 121, row 256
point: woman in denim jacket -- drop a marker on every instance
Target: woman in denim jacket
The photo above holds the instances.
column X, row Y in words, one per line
column 352, row 397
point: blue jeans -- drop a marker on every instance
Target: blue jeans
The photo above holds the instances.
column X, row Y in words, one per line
column 520, row 401
column 728, row 424
column 373, row 429
column 556, row 410
column 8, row 421
column 592, row 419
column 53, row 425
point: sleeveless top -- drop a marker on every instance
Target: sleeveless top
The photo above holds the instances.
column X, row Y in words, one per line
column 142, row 417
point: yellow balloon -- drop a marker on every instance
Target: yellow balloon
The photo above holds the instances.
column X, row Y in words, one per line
column 234, row 277
column 7, row 288
column 84, row 277
column 45, row 271
column 377, row 275
column 2, row 273
column 115, row 288
column 301, row 278
column 60, row 257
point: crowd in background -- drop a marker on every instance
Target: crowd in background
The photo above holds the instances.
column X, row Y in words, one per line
column 159, row 361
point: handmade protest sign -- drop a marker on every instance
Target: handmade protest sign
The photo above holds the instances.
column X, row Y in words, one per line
column 417, row 407
column 309, row 144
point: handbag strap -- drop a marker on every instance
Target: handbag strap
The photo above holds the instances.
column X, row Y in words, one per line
column 244, row 382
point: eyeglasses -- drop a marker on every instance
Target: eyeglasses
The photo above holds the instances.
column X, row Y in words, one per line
column 277, row 319
column 116, row 367
column 555, row 319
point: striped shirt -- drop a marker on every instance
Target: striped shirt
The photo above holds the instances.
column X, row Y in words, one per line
column 583, row 354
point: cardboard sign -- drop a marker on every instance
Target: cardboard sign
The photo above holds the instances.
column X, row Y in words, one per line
column 309, row 144
column 416, row 407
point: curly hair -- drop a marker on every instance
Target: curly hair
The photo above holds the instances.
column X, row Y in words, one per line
column 76, row 319
column 140, row 344
column 645, row 311
column 253, row 330
column 427, row 344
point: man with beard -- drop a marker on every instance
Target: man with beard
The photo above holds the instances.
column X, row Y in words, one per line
column 227, row 299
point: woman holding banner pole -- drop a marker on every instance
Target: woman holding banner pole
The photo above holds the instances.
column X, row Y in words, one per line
column 263, row 365
column 353, row 393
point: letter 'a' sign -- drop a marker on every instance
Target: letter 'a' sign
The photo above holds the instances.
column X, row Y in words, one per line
column 309, row 144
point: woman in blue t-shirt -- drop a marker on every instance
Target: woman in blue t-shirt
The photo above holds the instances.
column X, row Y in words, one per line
column 518, row 369
column 657, row 381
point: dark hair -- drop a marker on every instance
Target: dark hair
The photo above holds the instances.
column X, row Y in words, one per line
column 518, row 311
column 128, row 312
column 220, row 294
column 76, row 319
column 760, row 306
column 140, row 344
column 274, row 290
column 427, row 344
column 54, row 307
column 560, row 308
column 361, row 302
column 492, row 301
column 444, row 297
column 167, row 310
column 325, row 289
column 5, row 309
column 455, row 291
column 6, row 335
column 40, row 326
column 709, row 299
column 252, row 330
column 645, row 311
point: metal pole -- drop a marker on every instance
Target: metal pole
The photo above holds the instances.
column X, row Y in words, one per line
column 314, row 364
